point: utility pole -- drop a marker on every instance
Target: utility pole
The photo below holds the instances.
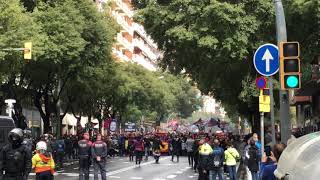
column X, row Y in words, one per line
column 283, row 94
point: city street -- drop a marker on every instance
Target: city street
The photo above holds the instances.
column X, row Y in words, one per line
column 121, row 168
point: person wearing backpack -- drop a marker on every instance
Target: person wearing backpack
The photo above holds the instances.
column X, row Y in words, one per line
column 231, row 156
column 60, row 148
column 253, row 160
column 216, row 161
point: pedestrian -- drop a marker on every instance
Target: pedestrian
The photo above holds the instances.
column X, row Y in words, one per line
column 147, row 146
column 68, row 148
column 27, row 141
column 252, row 157
column 156, row 148
column 84, row 156
column 60, row 152
column 15, row 158
column 216, row 161
column 231, row 157
column 269, row 163
column 176, row 148
column 139, row 149
column 99, row 157
column 189, row 144
column 131, row 148
column 121, row 145
column 195, row 149
column 205, row 151
column 42, row 162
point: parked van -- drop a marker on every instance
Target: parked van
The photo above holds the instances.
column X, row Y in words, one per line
column 6, row 125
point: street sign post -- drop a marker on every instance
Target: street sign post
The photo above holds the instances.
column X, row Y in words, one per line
column 266, row 59
column 266, row 62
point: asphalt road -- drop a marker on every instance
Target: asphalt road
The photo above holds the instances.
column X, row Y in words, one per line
column 122, row 169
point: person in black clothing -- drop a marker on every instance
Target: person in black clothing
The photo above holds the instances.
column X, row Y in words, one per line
column 156, row 143
column 99, row 157
column 147, row 146
column 176, row 148
column 195, row 148
column 253, row 160
column 15, row 158
column 84, row 157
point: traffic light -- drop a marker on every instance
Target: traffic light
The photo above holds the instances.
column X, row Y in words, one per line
column 290, row 72
column 27, row 50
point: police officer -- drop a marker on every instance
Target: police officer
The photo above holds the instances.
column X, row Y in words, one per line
column 15, row 159
column 27, row 141
column 99, row 155
column 84, row 156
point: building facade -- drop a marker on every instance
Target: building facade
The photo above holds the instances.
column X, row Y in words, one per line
column 210, row 105
column 133, row 44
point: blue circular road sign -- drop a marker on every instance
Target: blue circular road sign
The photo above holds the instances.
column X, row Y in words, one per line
column 266, row 60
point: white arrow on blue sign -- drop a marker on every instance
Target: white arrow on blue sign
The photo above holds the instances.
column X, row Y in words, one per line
column 266, row 59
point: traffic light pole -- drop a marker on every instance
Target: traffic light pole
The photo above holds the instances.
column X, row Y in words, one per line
column 284, row 95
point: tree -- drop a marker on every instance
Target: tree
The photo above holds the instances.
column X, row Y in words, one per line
column 17, row 27
column 214, row 41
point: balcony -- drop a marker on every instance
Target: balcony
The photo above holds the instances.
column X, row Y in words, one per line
column 140, row 30
column 144, row 47
column 124, row 8
column 120, row 55
column 124, row 42
column 144, row 62
column 122, row 22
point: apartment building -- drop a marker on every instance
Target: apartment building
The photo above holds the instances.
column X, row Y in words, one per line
column 133, row 44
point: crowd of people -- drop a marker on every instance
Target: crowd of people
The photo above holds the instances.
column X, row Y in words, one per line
column 208, row 154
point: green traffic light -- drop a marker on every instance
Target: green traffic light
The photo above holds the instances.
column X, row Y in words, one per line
column 292, row 81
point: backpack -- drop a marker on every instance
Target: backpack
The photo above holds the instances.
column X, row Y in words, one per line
column 60, row 148
column 217, row 154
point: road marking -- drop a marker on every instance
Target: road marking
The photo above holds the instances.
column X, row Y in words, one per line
column 76, row 168
column 115, row 177
column 158, row 179
column 179, row 172
column 126, row 162
column 136, row 178
column 132, row 167
column 171, row 176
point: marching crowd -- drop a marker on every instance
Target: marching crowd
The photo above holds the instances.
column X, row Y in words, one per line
column 209, row 155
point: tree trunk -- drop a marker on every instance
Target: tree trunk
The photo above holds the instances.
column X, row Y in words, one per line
column 44, row 115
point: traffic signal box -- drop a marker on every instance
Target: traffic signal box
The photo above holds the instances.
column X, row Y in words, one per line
column 290, row 72
column 27, row 50
column 264, row 100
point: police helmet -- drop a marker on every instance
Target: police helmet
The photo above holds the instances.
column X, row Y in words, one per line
column 15, row 135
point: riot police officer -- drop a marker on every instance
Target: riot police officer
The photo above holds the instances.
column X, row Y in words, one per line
column 15, row 159
column 84, row 156
column 99, row 155
column 27, row 141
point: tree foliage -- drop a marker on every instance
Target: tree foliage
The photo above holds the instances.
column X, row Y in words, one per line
column 214, row 41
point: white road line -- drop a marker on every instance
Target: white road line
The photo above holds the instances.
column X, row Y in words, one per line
column 114, row 177
column 171, row 176
column 132, row 167
column 136, row 178
column 179, row 172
